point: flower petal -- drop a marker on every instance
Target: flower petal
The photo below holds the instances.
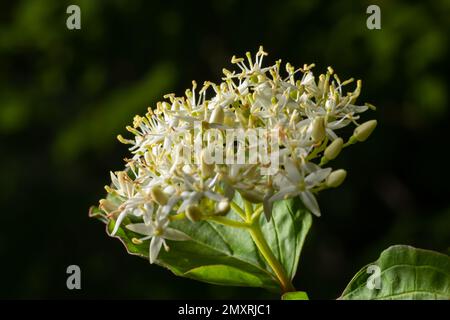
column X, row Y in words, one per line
column 288, row 191
column 192, row 198
column 310, row 202
column 331, row 134
column 119, row 220
column 317, row 176
column 155, row 248
column 176, row 235
column 141, row 228
column 114, row 180
column 292, row 171
column 311, row 167
column 214, row 196
column 162, row 222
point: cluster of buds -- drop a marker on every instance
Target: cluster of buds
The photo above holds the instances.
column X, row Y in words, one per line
column 184, row 164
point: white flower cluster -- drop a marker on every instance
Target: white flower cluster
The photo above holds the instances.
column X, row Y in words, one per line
column 160, row 183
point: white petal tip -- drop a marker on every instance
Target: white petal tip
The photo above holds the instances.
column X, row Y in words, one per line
column 116, row 228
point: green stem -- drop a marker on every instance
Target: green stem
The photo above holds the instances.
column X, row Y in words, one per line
column 323, row 161
column 251, row 224
column 229, row 222
column 257, row 213
column 248, row 210
column 261, row 243
column 351, row 140
column 317, row 150
column 238, row 210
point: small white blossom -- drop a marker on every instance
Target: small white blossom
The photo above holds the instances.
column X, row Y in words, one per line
column 158, row 232
column 299, row 181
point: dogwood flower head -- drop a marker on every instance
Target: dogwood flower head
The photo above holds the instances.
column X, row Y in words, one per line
column 262, row 132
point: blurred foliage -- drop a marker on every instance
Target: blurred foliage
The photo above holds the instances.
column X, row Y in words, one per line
column 65, row 95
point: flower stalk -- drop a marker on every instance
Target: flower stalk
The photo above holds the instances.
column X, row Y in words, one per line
column 251, row 224
column 263, row 247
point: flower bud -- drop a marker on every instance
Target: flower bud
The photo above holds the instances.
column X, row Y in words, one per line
column 336, row 178
column 158, row 196
column 222, row 207
column 362, row 132
column 318, row 129
column 193, row 213
column 333, row 150
column 217, row 115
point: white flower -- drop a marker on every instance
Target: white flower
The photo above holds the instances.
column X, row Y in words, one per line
column 299, row 182
column 134, row 201
column 140, row 208
column 194, row 193
column 158, row 232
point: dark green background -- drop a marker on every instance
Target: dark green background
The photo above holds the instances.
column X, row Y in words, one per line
column 65, row 95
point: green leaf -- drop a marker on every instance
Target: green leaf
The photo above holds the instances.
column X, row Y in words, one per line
column 405, row 273
column 96, row 213
column 297, row 295
column 286, row 232
column 224, row 255
column 225, row 274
